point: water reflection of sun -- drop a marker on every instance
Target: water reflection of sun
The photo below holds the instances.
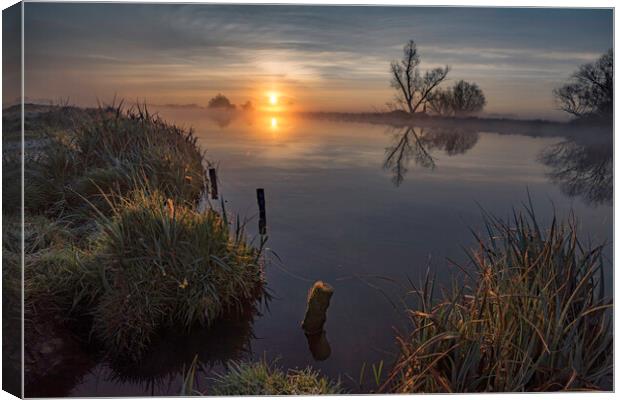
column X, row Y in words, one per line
column 276, row 125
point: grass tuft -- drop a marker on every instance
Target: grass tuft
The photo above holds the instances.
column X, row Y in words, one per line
column 260, row 378
column 166, row 264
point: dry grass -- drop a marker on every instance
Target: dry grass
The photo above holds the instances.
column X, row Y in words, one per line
column 532, row 317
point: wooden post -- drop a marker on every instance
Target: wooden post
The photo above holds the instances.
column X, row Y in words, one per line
column 213, row 181
column 262, row 216
column 316, row 311
column 319, row 346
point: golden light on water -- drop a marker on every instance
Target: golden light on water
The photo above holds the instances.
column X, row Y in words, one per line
column 276, row 126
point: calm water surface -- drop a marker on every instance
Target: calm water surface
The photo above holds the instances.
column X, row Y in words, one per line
column 365, row 208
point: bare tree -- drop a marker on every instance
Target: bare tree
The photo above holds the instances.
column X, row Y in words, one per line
column 590, row 91
column 414, row 88
column 463, row 98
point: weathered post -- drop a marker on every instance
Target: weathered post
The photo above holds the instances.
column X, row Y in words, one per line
column 262, row 215
column 319, row 346
column 213, row 181
column 316, row 311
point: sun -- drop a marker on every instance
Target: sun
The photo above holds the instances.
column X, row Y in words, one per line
column 273, row 99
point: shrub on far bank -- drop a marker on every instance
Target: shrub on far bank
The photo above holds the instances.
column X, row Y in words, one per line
column 460, row 100
column 533, row 316
column 220, row 102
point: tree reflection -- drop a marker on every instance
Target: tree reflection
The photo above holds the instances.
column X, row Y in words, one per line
column 407, row 146
column 416, row 144
column 222, row 118
column 584, row 170
column 451, row 140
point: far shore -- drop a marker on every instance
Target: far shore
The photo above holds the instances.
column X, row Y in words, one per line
column 574, row 129
column 530, row 127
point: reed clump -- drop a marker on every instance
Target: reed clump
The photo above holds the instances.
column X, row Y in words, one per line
column 533, row 316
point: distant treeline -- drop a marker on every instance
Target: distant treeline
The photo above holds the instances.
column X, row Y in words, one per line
column 535, row 128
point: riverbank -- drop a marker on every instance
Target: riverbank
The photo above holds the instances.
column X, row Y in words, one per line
column 114, row 239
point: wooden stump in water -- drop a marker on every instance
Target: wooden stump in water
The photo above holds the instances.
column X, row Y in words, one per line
column 319, row 346
column 316, row 312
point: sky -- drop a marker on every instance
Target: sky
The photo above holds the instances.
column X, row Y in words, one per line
column 325, row 58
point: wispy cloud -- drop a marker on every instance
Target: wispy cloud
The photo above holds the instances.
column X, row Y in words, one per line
column 508, row 53
column 328, row 56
